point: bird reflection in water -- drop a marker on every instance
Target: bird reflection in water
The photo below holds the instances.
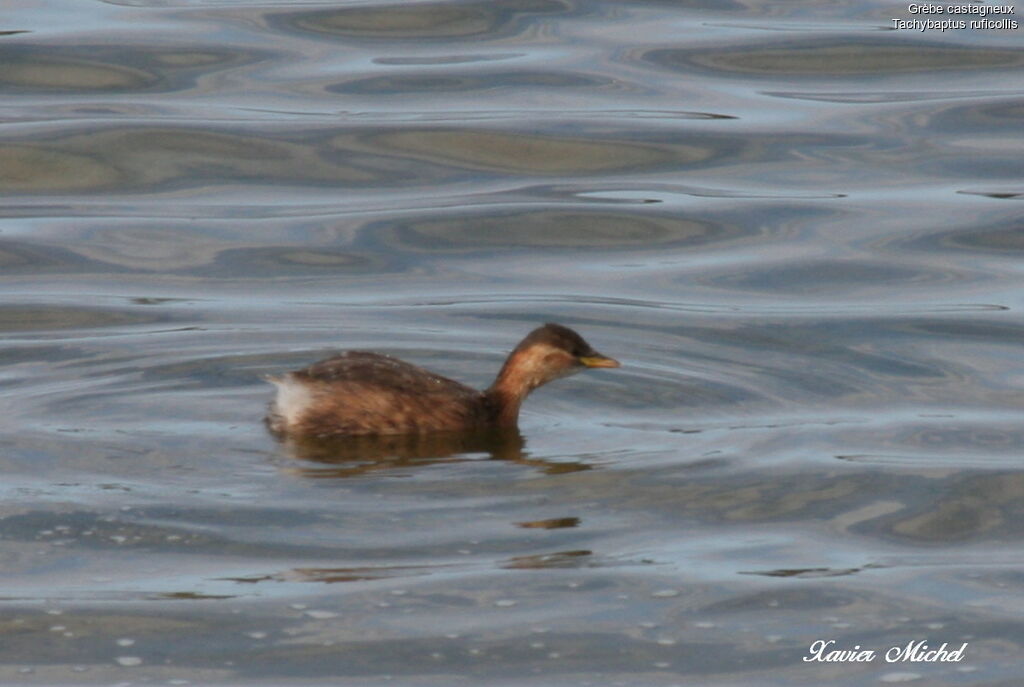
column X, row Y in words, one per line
column 353, row 456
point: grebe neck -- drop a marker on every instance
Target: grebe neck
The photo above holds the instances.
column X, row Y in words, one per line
column 506, row 394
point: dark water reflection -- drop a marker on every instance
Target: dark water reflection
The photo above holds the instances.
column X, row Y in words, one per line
column 797, row 228
column 831, row 57
column 106, row 69
column 428, row 21
column 354, row 456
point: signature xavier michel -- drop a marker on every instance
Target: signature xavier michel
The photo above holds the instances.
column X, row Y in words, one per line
column 824, row 651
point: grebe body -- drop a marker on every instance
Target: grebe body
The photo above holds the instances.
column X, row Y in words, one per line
column 362, row 393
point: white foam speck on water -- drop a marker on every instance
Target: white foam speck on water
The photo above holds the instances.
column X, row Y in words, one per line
column 321, row 615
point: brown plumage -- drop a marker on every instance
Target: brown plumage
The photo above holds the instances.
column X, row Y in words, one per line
column 357, row 392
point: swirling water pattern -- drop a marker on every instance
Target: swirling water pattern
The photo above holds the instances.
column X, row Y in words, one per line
column 798, row 229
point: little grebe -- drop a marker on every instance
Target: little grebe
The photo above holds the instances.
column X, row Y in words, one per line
column 367, row 393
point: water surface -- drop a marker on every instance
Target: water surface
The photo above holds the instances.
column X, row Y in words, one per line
column 798, row 229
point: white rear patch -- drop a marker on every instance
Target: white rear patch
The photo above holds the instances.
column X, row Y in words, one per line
column 293, row 399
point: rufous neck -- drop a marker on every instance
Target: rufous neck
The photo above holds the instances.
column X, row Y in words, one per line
column 507, row 393
column 505, row 405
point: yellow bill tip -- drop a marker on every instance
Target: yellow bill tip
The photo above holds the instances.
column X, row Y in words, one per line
column 598, row 361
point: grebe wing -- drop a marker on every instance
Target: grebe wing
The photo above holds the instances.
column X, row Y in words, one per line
column 375, row 369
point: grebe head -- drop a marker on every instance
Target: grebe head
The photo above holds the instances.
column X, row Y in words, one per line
column 550, row 352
